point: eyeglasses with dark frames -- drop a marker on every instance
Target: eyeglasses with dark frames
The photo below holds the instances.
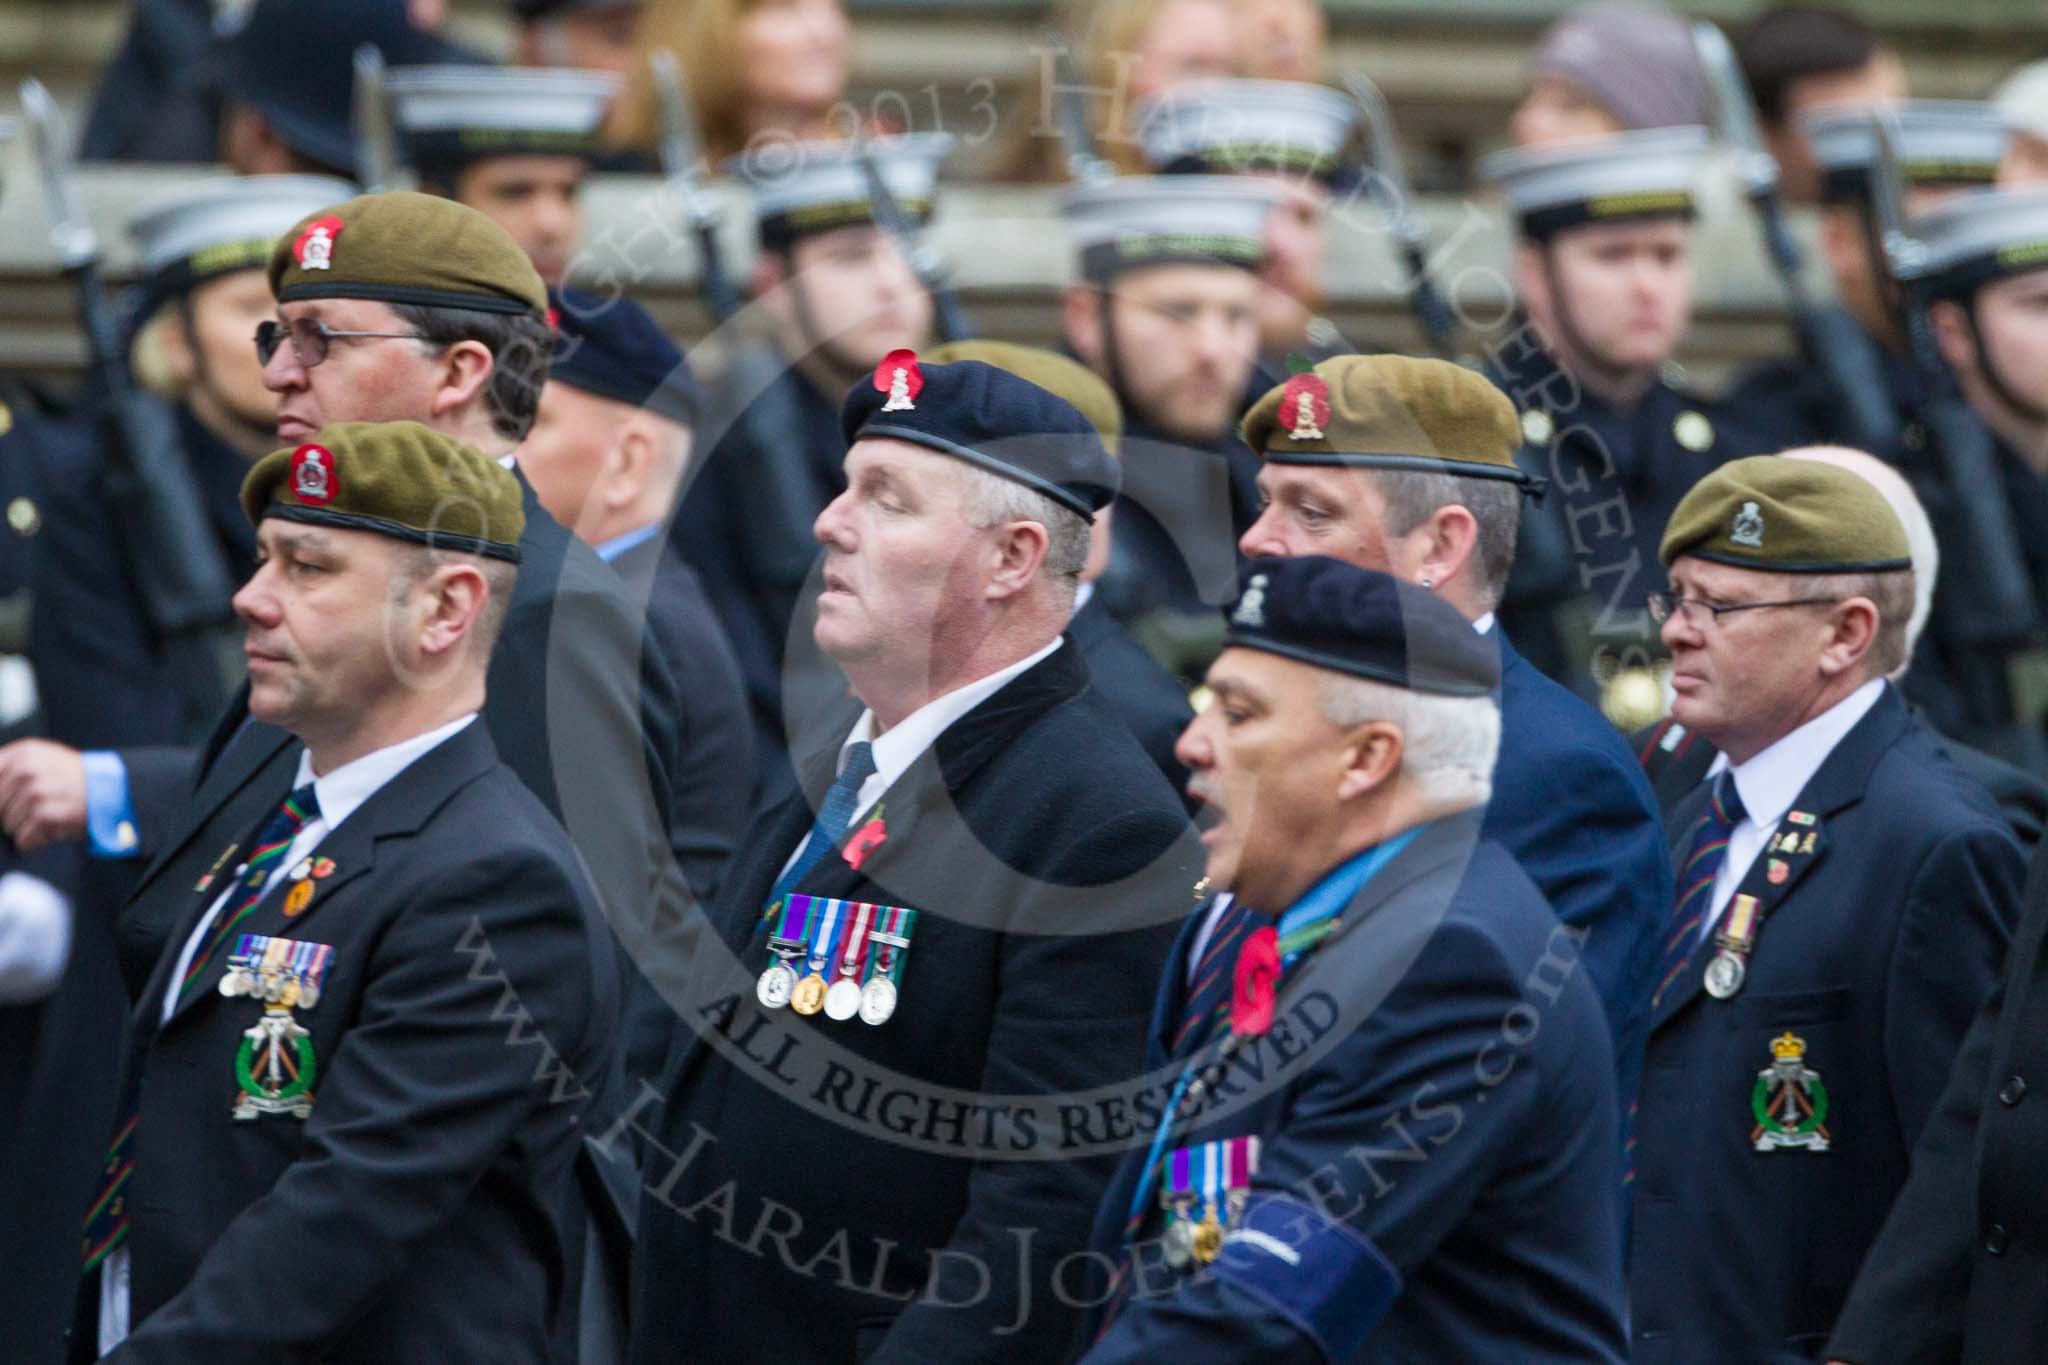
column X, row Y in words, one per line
column 1665, row 605
column 310, row 338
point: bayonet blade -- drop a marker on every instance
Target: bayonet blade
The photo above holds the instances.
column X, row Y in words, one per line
column 1383, row 156
column 681, row 147
column 1734, row 115
column 71, row 232
column 370, row 122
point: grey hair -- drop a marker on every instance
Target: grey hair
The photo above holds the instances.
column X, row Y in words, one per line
column 1449, row 744
column 1412, row 496
column 1920, row 541
column 989, row 499
column 1892, row 593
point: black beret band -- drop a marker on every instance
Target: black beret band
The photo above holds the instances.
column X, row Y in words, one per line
column 394, row 293
column 355, row 521
column 1787, row 566
column 1418, row 464
column 1356, row 667
column 1062, row 496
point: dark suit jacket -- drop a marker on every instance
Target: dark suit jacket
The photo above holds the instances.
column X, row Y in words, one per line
column 1677, row 760
column 1048, row 862
column 1151, row 703
column 1960, row 1272
column 1449, row 1196
column 711, row 774
column 1875, row 950
column 1573, row 807
column 411, row 1216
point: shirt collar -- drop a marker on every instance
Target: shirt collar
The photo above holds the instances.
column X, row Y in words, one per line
column 895, row 751
column 1770, row 781
column 1484, row 623
column 354, row 782
column 1081, row 596
column 618, row 545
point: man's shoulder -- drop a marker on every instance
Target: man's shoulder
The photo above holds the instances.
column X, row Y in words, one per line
column 1918, row 794
column 1546, row 729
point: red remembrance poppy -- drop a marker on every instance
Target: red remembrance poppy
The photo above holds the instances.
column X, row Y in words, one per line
column 866, row 840
column 1258, row 976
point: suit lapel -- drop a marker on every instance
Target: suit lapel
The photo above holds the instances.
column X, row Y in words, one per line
column 397, row 808
column 243, row 760
column 1798, row 844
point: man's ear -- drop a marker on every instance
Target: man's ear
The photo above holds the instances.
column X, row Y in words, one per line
column 1856, row 624
column 1372, row 758
column 1952, row 335
column 465, row 371
column 1081, row 309
column 1019, row 552
column 456, row 592
column 628, row 466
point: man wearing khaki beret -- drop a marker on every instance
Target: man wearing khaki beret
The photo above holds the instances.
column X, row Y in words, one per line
column 325, row 1147
column 1844, row 900
column 407, row 307
column 1408, row 466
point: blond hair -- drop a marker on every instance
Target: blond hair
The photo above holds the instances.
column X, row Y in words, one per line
column 704, row 35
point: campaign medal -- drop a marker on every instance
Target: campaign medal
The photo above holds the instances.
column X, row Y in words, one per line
column 778, row 981
column 843, row 997
column 809, row 996
column 1788, row 1101
column 270, row 975
column 1736, row 938
column 308, row 965
column 1177, row 1197
column 891, row 940
column 238, row 980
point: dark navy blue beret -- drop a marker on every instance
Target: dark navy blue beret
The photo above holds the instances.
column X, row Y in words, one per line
column 1334, row 615
column 611, row 348
column 990, row 418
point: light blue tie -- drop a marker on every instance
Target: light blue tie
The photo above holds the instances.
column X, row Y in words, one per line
column 834, row 813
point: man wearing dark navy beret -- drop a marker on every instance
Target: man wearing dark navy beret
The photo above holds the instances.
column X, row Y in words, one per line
column 956, row 921
column 1392, row 1128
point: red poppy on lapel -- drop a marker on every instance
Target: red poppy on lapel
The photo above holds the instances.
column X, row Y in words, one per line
column 1258, row 975
column 865, row 840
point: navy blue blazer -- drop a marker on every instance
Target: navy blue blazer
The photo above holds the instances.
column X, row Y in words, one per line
column 1875, row 949
column 1438, row 1173
column 1572, row 805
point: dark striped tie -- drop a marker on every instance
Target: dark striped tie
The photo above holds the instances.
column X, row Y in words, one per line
column 1208, row 1003
column 1707, row 849
column 106, row 1222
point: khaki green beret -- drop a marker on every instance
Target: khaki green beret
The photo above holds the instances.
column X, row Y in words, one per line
column 1787, row 516
column 1050, row 370
column 403, row 247
column 1390, row 412
column 398, row 479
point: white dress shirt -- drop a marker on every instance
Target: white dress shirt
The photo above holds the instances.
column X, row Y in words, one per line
column 339, row 794
column 1770, row 781
column 907, row 740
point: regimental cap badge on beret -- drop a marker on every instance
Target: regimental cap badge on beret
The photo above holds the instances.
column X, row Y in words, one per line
column 1749, row 527
column 1251, row 607
column 899, row 377
column 313, row 474
column 1787, row 516
column 313, row 248
column 1305, row 401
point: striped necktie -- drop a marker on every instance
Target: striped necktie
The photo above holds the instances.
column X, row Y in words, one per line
column 1707, row 849
column 106, row 1222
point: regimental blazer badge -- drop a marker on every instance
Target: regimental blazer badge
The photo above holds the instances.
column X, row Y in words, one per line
column 275, row 1067
column 1788, row 1100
